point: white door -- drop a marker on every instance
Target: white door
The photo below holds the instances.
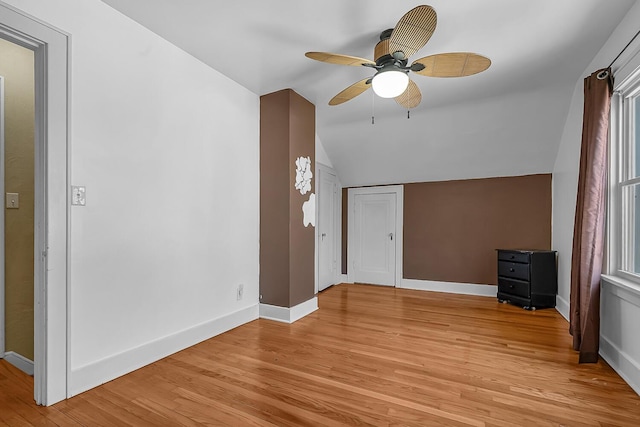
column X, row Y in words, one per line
column 375, row 233
column 327, row 209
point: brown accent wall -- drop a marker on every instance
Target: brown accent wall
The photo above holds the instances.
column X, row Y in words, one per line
column 17, row 68
column 274, row 199
column 287, row 247
column 302, row 143
column 452, row 228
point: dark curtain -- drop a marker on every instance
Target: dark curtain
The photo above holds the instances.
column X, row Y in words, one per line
column 588, row 232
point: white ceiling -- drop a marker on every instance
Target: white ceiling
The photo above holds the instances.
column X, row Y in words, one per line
column 505, row 121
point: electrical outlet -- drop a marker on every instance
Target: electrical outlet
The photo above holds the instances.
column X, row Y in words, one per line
column 78, row 195
column 240, row 292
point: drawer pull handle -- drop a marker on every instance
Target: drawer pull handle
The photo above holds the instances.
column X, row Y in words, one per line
column 511, row 286
column 513, row 256
column 512, row 269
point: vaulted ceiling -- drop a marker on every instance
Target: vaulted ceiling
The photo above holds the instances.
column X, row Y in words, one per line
column 507, row 120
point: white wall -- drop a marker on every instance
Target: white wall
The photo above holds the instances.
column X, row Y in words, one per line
column 168, row 150
column 565, row 182
column 619, row 317
column 321, row 153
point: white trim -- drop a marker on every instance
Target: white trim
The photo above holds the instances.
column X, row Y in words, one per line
column 613, row 227
column 623, row 288
column 19, row 361
column 40, row 298
column 631, row 72
column 337, row 239
column 288, row 315
column 2, row 243
column 344, row 278
column 51, row 47
column 107, row 369
column 316, row 243
column 562, row 307
column 621, row 362
column 398, row 190
column 451, row 287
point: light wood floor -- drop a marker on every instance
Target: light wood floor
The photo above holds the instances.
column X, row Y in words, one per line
column 370, row 356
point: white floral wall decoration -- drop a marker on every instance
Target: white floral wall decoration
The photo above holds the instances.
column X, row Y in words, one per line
column 309, row 211
column 303, row 175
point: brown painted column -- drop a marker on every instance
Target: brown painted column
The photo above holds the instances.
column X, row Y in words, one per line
column 287, row 190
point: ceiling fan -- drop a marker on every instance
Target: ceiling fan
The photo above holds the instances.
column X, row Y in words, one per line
column 392, row 53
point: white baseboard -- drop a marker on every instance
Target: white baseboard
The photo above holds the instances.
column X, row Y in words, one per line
column 562, row 307
column 621, row 362
column 288, row 315
column 19, row 361
column 450, row 287
column 107, row 369
column 344, row 278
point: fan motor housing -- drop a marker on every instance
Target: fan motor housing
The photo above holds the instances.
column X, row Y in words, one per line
column 382, row 54
column 381, row 50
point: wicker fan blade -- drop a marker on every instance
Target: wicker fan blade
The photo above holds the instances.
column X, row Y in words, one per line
column 413, row 30
column 334, row 58
column 411, row 97
column 458, row 64
column 351, row 92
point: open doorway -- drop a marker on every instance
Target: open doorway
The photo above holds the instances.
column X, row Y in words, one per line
column 17, row 136
column 50, row 49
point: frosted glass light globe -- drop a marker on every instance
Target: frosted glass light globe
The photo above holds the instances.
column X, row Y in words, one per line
column 389, row 84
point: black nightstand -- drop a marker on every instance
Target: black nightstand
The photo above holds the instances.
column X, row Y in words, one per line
column 527, row 277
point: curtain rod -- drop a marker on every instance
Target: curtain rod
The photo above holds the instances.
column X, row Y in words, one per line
column 625, row 48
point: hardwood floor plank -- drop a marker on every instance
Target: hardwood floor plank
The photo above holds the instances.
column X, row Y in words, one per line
column 17, row 407
column 261, row 400
column 370, row 355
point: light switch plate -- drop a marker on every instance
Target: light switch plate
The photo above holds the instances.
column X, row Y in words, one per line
column 78, row 195
column 13, row 200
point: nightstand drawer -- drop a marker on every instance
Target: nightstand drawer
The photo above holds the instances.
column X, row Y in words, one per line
column 513, row 256
column 513, row 270
column 514, row 287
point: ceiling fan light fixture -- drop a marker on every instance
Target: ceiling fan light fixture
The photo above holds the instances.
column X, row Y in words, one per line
column 390, row 83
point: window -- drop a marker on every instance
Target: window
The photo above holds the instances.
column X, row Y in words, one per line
column 625, row 179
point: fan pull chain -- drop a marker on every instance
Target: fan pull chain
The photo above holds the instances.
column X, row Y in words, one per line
column 373, row 108
column 408, row 108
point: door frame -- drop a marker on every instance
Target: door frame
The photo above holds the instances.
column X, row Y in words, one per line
column 337, row 218
column 2, row 296
column 51, row 49
column 398, row 190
